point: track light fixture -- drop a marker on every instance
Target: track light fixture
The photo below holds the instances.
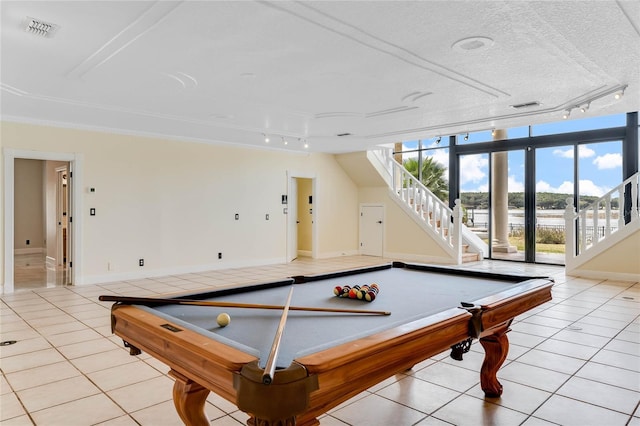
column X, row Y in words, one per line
column 438, row 140
column 266, row 138
column 618, row 92
column 466, row 137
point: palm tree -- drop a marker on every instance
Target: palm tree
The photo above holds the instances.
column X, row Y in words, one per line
column 432, row 176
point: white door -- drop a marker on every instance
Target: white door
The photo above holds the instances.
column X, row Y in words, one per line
column 371, row 230
column 292, row 220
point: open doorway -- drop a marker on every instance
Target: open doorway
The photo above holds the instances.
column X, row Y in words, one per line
column 41, row 228
column 47, row 177
column 301, row 231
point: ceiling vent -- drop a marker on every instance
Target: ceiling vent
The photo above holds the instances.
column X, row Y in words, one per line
column 526, row 105
column 40, row 28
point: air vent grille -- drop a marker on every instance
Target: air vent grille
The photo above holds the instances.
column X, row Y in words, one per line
column 40, row 28
column 526, row 105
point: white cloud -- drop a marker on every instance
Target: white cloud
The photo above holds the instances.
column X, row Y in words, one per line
column 564, row 154
column 472, row 168
column 440, row 156
column 587, row 187
column 543, row 186
column 608, row 161
column 514, row 186
column 583, row 152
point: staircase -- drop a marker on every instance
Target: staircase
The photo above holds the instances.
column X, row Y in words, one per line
column 435, row 217
column 602, row 225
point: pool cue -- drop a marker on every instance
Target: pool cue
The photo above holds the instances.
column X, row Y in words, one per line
column 152, row 301
column 270, row 367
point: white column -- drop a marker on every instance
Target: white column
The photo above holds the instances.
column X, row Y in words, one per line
column 500, row 198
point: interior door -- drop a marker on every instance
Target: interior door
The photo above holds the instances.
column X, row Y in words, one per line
column 371, row 230
column 68, row 200
column 292, row 220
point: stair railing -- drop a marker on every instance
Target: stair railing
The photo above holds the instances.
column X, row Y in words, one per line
column 434, row 214
column 594, row 224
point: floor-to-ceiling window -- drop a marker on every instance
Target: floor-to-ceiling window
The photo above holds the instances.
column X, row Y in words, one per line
column 539, row 167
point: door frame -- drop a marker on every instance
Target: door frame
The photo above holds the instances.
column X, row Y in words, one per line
column 292, row 229
column 75, row 161
column 383, row 230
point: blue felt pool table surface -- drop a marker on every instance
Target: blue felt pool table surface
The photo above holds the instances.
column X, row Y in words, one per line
column 409, row 294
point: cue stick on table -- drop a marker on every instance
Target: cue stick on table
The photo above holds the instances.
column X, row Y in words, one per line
column 152, row 301
column 270, row 367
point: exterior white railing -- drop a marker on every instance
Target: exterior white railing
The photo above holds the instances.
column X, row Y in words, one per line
column 593, row 225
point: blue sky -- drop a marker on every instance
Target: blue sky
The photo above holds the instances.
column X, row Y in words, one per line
column 600, row 165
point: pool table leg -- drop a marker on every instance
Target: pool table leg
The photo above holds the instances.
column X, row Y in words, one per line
column 496, row 347
column 189, row 398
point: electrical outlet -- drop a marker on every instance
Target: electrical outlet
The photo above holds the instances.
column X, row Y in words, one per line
column 141, row 262
column 219, row 255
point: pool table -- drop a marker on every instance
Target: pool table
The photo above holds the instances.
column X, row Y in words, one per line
column 326, row 358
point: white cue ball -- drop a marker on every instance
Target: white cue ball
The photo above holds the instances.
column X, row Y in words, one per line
column 223, row 319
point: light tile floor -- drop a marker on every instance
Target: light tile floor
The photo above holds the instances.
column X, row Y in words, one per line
column 572, row 361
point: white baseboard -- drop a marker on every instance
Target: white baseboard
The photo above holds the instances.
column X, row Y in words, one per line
column 338, row 254
column 138, row 275
column 604, row 275
column 305, row 253
column 438, row 260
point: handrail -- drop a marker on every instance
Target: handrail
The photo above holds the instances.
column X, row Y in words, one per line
column 584, row 229
column 432, row 213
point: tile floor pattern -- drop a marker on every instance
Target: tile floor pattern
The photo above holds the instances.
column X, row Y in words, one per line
column 573, row 361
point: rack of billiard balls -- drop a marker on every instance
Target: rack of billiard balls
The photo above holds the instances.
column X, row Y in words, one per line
column 365, row 292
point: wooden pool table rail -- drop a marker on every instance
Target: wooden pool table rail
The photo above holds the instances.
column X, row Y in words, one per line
column 317, row 382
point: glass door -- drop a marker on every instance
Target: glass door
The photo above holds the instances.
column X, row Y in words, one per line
column 555, row 176
column 507, row 205
column 474, row 194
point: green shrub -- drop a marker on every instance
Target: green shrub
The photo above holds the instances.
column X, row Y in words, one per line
column 550, row 236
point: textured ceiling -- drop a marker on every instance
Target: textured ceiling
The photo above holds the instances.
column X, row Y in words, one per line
column 379, row 71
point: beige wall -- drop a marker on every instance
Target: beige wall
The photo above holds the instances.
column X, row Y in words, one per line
column 29, row 205
column 304, row 215
column 621, row 261
column 401, row 233
column 173, row 203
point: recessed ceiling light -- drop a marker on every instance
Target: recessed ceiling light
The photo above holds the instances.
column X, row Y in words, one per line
column 472, row 43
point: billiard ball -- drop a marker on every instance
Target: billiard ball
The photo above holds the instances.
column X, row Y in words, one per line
column 353, row 293
column 223, row 319
column 337, row 291
column 345, row 291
